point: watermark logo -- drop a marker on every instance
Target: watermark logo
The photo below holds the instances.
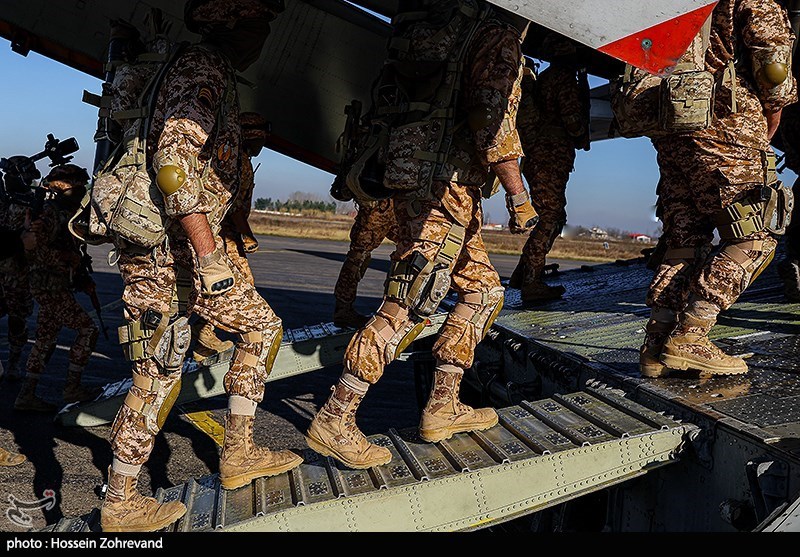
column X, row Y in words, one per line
column 17, row 514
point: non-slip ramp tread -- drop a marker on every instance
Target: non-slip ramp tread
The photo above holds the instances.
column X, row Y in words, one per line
column 541, row 453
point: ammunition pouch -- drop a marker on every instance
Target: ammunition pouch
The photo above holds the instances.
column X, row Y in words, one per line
column 420, row 283
column 155, row 413
column 157, row 335
column 687, row 101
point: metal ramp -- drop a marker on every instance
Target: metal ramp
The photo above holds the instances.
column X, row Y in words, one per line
column 302, row 350
column 540, row 454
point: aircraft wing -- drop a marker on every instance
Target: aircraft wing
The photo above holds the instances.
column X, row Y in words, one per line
column 321, row 54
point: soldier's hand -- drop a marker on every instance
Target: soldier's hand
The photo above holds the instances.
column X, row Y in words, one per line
column 215, row 274
column 250, row 243
column 523, row 215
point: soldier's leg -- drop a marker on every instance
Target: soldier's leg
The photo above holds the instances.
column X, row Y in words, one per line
column 745, row 250
column 19, row 303
column 427, row 247
column 244, row 312
column 480, row 299
column 48, row 326
column 687, row 235
column 155, row 343
column 74, row 317
column 789, row 268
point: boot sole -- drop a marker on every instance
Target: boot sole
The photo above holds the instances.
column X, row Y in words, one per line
column 683, row 363
column 326, row 451
column 149, row 528
column 241, row 480
column 444, row 433
column 654, row 371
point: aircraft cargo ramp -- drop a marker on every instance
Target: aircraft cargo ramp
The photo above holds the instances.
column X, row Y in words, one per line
column 540, row 454
column 745, row 465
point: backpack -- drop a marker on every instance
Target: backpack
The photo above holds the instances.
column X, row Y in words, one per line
column 682, row 101
column 123, row 205
column 411, row 123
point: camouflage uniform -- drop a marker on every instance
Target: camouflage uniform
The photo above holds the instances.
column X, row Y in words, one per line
column 551, row 120
column 702, row 173
column 429, row 226
column 373, row 224
column 187, row 137
column 15, row 290
column 789, row 137
column 56, row 270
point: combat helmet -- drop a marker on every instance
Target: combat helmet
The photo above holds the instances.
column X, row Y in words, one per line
column 68, row 182
column 201, row 13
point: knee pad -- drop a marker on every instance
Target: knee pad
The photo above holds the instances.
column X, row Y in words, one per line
column 166, row 391
column 481, row 308
column 381, row 340
column 269, row 341
column 736, row 251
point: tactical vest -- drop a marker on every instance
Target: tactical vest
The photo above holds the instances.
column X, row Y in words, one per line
column 415, row 113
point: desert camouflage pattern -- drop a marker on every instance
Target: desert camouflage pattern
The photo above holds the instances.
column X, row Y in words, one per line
column 184, row 133
column 374, row 223
column 549, row 147
column 227, row 11
column 705, row 171
column 15, row 290
column 471, row 272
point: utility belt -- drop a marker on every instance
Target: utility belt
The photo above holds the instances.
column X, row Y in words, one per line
column 421, row 283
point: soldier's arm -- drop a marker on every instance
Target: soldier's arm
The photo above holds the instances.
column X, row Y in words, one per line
column 767, row 39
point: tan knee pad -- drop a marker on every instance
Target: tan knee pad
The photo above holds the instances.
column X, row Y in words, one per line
column 269, row 341
column 165, row 389
column 381, row 340
column 466, row 326
column 737, row 251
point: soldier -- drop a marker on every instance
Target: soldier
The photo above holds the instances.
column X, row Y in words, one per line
column 719, row 177
column 236, row 232
column 553, row 122
column 374, row 222
column 14, row 285
column 789, row 137
column 56, row 271
column 439, row 239
column 194, row 145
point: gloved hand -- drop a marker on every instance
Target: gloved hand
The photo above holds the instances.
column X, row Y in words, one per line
column 250, row 243
column 523, row 215
column 215, row 275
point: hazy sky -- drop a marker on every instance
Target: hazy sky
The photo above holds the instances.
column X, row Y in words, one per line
column 613, row 184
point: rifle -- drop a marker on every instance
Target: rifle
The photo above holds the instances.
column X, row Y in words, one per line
column 85, row 284
column 585, row 141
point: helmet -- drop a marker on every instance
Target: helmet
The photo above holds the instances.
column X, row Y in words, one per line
column 254, row 127
column 20, row 172
column 557, row 45
column 199, row 13
column 68, row 182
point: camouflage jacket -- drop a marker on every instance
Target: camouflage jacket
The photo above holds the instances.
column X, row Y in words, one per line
column 551, row 106
column 56, row 259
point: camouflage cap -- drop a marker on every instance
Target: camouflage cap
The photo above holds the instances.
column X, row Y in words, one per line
column 66, row 176
column 254, row 126
column 200, row 12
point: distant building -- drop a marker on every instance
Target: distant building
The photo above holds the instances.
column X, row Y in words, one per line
column 597, row 232
column 641, row 238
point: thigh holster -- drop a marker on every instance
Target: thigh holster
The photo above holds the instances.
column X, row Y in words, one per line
column 159, row 336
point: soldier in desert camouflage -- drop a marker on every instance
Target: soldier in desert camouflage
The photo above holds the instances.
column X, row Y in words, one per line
column 715, row 178
column 439, row 243
column 195, row 148
column 552, row 122
column 56, row 271
column 374, row 223
column 236, row 232
column 789, row 139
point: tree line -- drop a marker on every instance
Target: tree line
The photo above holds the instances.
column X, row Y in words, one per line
column 294, row 205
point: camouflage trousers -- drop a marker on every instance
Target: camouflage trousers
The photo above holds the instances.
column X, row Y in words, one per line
column 234, row 247
column 373, row 224
column 150, row 282
column 59, row 309
column 471, row 273
column 693, row 189
column 548, row 164
column 17, row 300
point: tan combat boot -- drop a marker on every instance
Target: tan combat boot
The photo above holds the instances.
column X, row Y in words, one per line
column 345, row 317
column 333, row 431
column 242, row 460
column 207, row 343
column 74, row 391
column 9, row 458
column 662, row 322
column 538, row 292
column 445, row 415
column 27, row 401
column 688, row 347
column 126, row 510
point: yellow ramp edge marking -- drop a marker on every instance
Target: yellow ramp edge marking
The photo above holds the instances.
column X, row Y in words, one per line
column 205, row 422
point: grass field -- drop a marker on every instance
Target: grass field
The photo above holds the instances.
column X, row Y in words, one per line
column 337, row 227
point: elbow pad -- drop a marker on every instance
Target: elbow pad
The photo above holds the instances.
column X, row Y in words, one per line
column 772, row 70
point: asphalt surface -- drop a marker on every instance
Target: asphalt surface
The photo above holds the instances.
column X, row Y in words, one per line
column 67, row 466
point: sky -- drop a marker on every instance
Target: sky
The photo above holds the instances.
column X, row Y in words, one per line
column 612, row 185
